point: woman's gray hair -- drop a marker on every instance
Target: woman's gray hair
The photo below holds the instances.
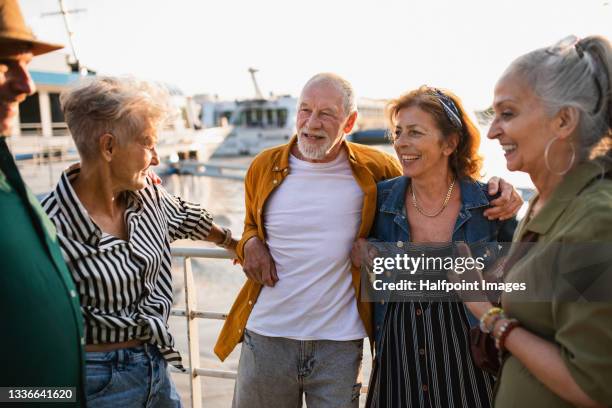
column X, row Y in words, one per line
column 344, row 86
column 123, row 107
column 574, row 73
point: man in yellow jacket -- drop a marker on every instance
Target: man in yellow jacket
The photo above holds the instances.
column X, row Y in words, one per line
column 299, row 315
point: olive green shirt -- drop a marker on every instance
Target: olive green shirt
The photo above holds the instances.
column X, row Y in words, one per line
column 569, row 272
column 41, row 337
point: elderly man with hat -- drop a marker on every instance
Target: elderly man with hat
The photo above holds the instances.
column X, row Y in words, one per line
column 42, row 330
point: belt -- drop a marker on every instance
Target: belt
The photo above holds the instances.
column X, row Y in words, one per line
column 104, row 347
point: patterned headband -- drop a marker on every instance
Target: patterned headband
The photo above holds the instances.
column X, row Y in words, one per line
column 449, row 108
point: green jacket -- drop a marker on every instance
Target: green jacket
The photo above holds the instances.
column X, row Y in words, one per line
column 568, row 274
column 42, row 333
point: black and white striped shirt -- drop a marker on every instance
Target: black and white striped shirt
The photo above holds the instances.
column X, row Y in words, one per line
column 125, row 288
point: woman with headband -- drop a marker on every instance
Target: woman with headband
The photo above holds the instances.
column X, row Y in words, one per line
column 422, row 347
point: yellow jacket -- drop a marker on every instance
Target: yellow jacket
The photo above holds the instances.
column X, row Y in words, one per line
column 268, row 170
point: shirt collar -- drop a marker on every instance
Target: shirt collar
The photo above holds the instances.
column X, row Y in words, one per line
column 83, row 227
column 472, row 196
column 572, row 184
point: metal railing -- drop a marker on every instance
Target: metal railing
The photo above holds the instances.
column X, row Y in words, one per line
column 208, row 169
column 191, row 314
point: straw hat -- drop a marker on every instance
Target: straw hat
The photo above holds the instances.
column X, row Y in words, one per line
column 14, row 31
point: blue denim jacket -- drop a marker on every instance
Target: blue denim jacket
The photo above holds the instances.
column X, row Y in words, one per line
column 390, row 224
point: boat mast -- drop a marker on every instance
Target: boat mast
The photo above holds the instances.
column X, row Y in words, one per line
column 76, row 65
column 258, row 94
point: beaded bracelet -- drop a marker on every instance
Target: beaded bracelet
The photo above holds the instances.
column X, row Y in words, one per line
column 227, row 238
column 505, row 329
column 493, row 320
column 494, row 311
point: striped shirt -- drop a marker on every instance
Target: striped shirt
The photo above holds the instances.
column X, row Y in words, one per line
column 425, row 359
column 125, row 287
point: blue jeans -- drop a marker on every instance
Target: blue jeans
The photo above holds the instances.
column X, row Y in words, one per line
column 279, row 372
column 130, row 377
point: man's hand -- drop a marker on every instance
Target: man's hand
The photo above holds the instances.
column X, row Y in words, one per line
column 362, row 252
column 258, row 264
column 507, row 204
column 357, row 252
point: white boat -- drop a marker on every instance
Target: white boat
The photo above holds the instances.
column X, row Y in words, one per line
column 257, row 124
column 40, row 130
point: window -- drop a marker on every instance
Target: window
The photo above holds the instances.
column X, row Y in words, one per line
column 254, row 117
column 57, row 116
column 29, row 110
column 29, row 116
column 281, row 116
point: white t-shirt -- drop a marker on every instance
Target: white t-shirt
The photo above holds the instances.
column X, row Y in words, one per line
column 311, row 221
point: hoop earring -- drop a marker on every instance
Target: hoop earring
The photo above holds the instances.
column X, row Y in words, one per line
column 547, row 162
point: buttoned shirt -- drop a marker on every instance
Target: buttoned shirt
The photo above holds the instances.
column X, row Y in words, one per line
column 576, row 219
column 268, row 170
column 125, row 287
column 431, row 338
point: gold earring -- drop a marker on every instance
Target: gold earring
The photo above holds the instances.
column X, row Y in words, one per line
column 547, row 161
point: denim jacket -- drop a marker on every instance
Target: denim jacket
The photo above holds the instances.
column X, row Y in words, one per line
column 471, row 226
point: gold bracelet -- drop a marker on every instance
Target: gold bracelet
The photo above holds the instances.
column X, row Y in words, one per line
column 489, row 313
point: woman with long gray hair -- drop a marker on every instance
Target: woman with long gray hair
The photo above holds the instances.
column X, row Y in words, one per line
column 553, row 118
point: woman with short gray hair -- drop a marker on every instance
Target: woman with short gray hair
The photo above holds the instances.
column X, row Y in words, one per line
column 553, row 118
column 115, row 227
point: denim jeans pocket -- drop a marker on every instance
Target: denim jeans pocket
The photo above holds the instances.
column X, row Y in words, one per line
column 248, row 340
column 356, row 392
column 99, row 378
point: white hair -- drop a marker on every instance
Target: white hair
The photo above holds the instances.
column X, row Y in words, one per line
column 344, row 86
column 575, row 74
column 121, row 106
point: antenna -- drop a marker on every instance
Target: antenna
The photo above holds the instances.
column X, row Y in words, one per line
column 76, row 66
column 258, row 94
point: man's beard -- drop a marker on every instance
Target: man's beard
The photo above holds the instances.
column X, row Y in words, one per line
column 314, row 151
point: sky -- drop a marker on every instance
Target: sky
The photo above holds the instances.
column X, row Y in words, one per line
column 384, row 47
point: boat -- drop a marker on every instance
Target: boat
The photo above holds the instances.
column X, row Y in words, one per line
column 260, row 123
column 40, row 131
column 257, row 124
column 369, row 136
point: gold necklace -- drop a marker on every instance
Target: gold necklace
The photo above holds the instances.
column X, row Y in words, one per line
column 446, row 200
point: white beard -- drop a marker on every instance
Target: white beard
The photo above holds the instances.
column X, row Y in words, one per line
column 313, row 151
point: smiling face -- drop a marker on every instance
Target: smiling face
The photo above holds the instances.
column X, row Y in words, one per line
column 321, row 121
column 15, row 85
column 419, row 143
column 521, row 125
column 132, row 159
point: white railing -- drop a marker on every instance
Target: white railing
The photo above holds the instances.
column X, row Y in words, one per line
column 191, row 314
